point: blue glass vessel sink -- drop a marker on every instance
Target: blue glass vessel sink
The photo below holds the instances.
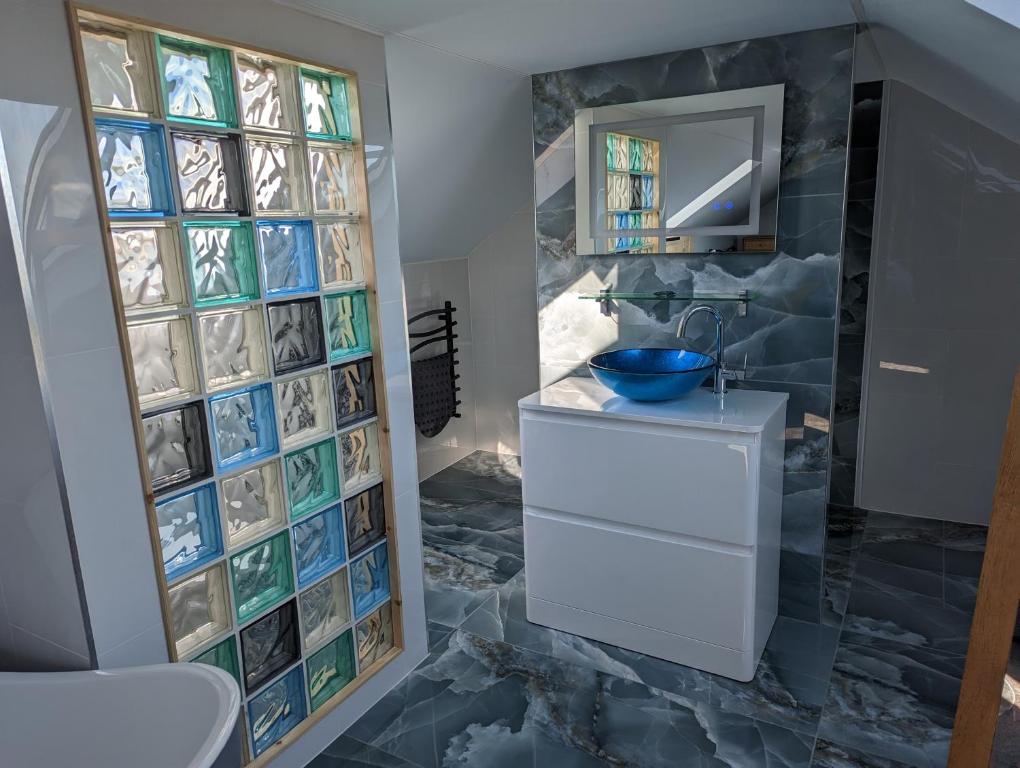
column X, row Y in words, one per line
column 651, row 374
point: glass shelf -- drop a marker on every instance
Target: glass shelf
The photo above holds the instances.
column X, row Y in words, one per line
column 607, row 295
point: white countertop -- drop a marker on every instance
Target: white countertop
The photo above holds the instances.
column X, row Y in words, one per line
column 740, row 410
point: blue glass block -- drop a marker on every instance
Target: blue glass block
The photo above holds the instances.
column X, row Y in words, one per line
column 244, row 426
column 274, row 712
column 318, row 546
column 648, row 192
column 288, row 257
column 370, row 580
column 189, row 530
column 136, row 173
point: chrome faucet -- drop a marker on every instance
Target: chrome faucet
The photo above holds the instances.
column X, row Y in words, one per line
column 722, row 374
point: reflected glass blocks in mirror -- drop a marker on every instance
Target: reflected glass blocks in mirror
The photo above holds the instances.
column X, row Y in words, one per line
column 136, row 174
column 274, row 712
column 253, row 503
column 375, row 636
column 332, row 172
column 269, row 645
column 324, row 105
column 209, row 173
column 303, row 405
column 318, row 546
column 148, row 267
column 366, row 519
column 288, row 257
column 278, row 176
column 163, row 359
column 353, row 392
column 244, row 426
column 267, row 93
column 347, row 331
column 233, row 347
column 224, row 656
column 199, row 609
column 340, row 261
column 189, row 530
column 221, row 259
column 312, row 478
column 262, row 576
column 117, row 67
column 176, row 447
column 360, row 461
column 370, row 580
column 296, row 330
column 196, row 82
column 330, row 669
column 325, row 608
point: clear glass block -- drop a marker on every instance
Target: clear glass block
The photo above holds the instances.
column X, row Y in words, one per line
column 221, row 256
column 353, row 392
column 253, row 503
column 224, row 656
column 288, row 257
column 330, row 669
column 332, row 170
column 244, row 426
column 340, row 259
column 176, row 447
column 278, row 176
column 196, row 82
column 375, row 636
column 148, row 267
column 370, row 579
column 296, row 329
column 262, row 576
column 366, row 519
column 347, row 325
column 269, row 645
column 189, row 530
column 135, row 169
column 325, row 608
column 117, row 66
column 163, row 357
column 233, row 347
column 199, row 609
column 267, row 93
column 318, row 546
column 324, row 101
column 273, row 713
column 209, row 173
column 312, row 478
column 360, row 461
column 303, row 405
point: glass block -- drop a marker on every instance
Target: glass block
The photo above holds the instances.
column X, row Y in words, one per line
column 274, row 712
column 198, row 607
column 117, row 66
column 244, row 426
column 622, row 157
column 296, row 329
column 288, row 257
column 648, row 192
column 347, row 325
column 269, row 645
column 233, row 347
column 332, row 170
column 325, row 608
column 330, row 669
column 262, row 576
column 318, row 546
column 196, row 81
column 636, row 190
column 370, row 580
column 324, row 101
column 163, row 358
column 267, row 93
column 312, row 478
column 340, row 259
column 366, row 519
column 189, row 530
column 209, row 173
column 636, row 154
column 135, row 168
column 375, row 636
column 303, row 404
column 610, row 151
column 252, row 503
column 176, row 447
column 278, row 176
column 353, row 392
column 221, row 257
column 360, row 461
column 148, row 267
column 224, row 656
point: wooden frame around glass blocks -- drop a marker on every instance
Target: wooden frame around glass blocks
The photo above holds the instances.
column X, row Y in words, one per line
column 222, row 342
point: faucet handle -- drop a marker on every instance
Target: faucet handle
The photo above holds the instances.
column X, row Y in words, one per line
column 726, row 373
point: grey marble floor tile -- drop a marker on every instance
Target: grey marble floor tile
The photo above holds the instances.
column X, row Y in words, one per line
column 458, row 582
column 844, row 530
column 964, row 548
column 884, row 526
column 837, row 578
column 829, row 755
column 346, row 752
column 494, row 525
column 482, row 473
column 437, row 633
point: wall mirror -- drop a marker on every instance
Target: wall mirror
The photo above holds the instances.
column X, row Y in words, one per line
column 694, row 174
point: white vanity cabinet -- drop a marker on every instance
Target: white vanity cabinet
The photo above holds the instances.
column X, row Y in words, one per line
column 655, row 526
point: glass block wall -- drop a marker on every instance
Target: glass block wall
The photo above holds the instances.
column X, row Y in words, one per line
column 234, row 190
column 632, row 191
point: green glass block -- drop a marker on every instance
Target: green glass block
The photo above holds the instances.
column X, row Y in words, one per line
column 196, row 82
column 347, row 325
column 223, row 656
column 636, row 156
column 330, row 669
column 262, row 576
column 324, row 104
column 313, row 479
column 221, row 260
column 610, row 151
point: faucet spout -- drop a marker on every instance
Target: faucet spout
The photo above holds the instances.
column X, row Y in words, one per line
column 718, row 379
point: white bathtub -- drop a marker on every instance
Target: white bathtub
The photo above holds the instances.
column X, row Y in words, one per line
column 161, row 716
